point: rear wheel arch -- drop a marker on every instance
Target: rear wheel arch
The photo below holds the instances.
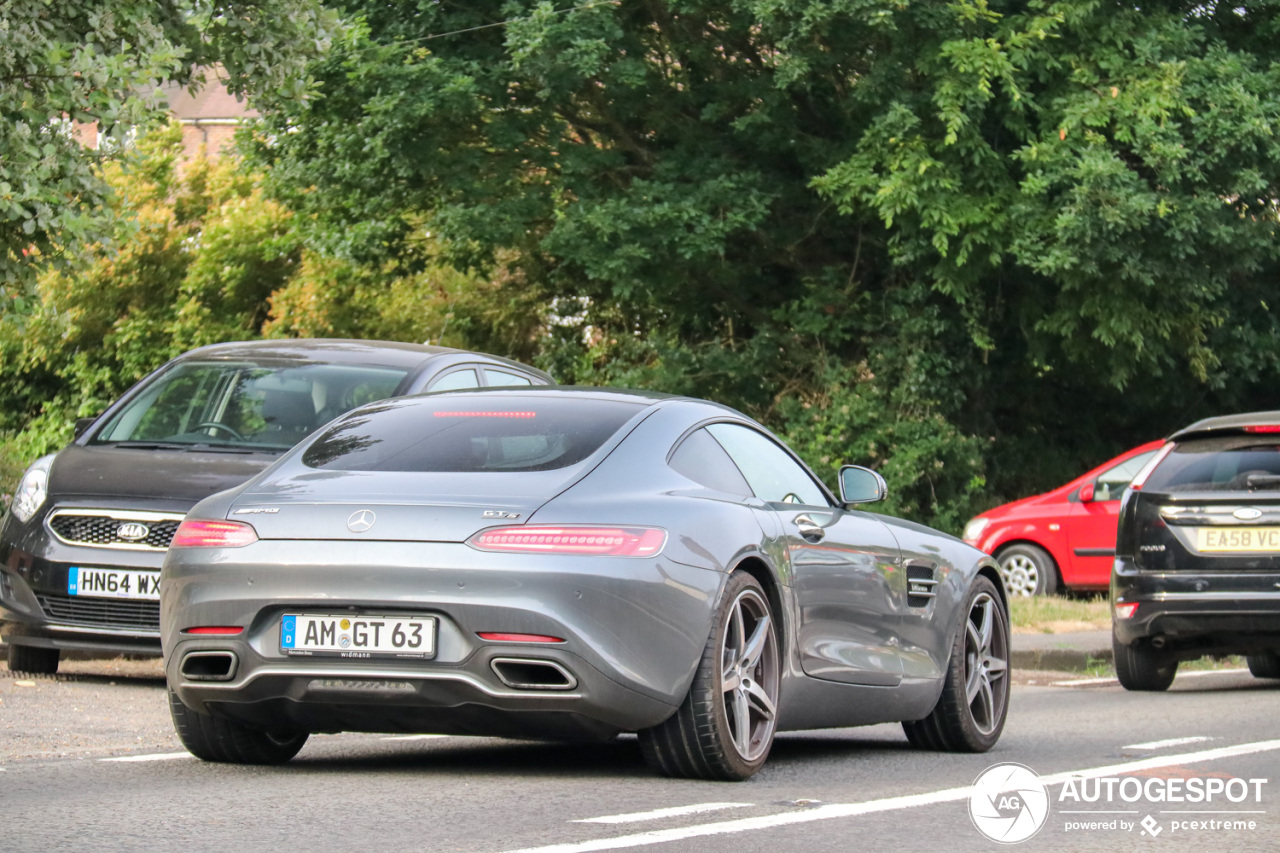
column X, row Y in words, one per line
column 760, row 570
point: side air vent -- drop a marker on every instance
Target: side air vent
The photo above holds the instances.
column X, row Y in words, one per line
column 921, row 579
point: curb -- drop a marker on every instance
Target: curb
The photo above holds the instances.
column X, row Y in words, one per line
column 1059, row 659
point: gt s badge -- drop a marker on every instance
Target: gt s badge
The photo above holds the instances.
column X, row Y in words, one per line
column 497, row 513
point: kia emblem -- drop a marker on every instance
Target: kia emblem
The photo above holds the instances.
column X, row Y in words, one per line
column 361, row 520
column 133, row 531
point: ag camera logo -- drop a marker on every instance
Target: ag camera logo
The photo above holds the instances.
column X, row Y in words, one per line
column 1008, row 803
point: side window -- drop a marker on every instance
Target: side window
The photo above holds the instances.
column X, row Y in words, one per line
column 504, row 377
column 1113, row 481
column 458, row 380
column 701, row 458
column 770, row 471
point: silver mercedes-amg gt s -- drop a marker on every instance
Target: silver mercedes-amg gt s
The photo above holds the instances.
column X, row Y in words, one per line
column 571, row 563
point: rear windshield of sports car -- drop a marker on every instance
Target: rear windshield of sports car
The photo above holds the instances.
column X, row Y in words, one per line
column 465, row 434
column 1238, row 463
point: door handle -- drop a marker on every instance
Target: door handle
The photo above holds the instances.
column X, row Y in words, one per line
column 809, row 530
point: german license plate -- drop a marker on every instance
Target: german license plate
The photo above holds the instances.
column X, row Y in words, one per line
column 358, row 636
column 1233, row 539
column 113, row 583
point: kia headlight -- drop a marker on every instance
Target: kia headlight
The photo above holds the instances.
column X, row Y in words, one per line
column 32, row 489
column 974, row 528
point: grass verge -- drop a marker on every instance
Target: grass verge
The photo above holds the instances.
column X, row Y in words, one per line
column 1054, row 614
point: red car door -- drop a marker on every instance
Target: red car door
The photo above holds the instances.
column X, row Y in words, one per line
column 1091, row 531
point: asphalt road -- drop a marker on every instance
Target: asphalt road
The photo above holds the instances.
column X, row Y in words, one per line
column 88, row 762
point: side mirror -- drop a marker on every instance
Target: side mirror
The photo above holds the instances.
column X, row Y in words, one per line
column 83, row 424
column 860, row 485
column 1086, row 493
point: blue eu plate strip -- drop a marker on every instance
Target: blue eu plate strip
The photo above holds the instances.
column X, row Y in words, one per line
column 288, row 632
column 73, row 580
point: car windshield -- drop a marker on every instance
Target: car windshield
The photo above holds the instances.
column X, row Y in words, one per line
column 463, row 434
column 244, row 405
column 1240, row 463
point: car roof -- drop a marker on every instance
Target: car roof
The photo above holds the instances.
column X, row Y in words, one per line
column 350, row 351
column 1227, row 424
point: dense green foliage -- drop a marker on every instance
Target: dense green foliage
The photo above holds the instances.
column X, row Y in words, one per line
column 978, row 245
column 98, row 62
column 203, row 257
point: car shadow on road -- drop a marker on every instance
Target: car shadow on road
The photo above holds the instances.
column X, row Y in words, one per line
column 620, row 758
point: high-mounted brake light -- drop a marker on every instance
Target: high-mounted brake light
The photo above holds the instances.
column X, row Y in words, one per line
column 1264, row 428
column 521, row 415
column 215, row 630
column 213, row 534
column 590, row 541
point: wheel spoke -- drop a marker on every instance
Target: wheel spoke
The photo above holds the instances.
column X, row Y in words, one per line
column 737, row 633
column 753, row 648
column 985, row 711
column 760, row 701
column 974, row 640
column 742, row 722
column 973, row 684
column 988, row 619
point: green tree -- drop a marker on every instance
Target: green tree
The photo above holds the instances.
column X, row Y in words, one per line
column 195, row 261
column 99, row 62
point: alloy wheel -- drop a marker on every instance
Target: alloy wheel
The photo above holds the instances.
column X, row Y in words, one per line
column 749, row 675
column 986, row 663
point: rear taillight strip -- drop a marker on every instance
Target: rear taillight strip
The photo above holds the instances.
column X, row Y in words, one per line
column 576, row 540
column 200, row 533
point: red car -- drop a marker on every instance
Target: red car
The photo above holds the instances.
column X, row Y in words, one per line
column 1063, row 538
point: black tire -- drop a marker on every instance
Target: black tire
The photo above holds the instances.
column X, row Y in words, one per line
column 1027, row 570
column 1264, row 665
column 971, row 711
column 33, row 659
column 1142, row 667
column 216, row 739
column 724, row 728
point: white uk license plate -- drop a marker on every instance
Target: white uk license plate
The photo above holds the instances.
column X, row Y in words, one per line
column 113, row 583
column 1235, row 539
column 357, row 636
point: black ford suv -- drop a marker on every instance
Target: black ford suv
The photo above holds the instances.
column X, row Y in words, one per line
column 1197, row 568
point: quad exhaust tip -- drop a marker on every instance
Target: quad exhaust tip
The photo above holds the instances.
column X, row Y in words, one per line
column 532, row 674
column 209, row 666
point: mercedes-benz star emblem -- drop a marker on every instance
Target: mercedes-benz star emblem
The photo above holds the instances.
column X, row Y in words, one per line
column 361, row 520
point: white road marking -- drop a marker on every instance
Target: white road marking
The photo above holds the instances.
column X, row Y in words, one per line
column 839, row 810
column 657, row 814
column 163, row 756
column 1199, row 673
column 413, row 737
column 1164, row 744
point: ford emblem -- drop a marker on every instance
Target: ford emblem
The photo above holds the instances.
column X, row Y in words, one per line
column 1247, row 513
column 361, row 520
column 133, row 531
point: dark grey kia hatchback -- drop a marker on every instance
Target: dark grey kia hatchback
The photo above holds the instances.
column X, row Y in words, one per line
column 82, row 543
column 1197, row 568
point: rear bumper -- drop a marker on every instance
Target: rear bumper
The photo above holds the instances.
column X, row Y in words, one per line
column 633, row 632
column 1198, row 613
